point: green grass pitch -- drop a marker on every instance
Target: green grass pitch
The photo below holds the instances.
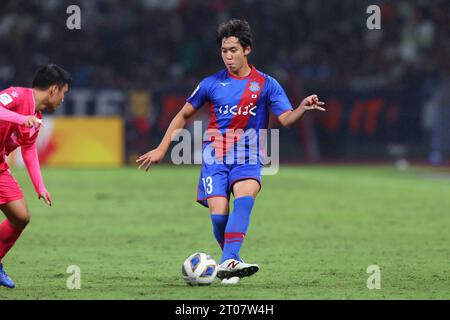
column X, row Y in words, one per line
column 314, row 231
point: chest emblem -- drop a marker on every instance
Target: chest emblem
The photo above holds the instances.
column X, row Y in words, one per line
column 254, row 86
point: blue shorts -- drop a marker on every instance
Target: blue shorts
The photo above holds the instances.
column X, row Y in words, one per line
column 216, row 180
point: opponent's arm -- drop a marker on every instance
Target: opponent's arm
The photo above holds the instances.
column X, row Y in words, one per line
column 178, row 122
column 312, row 102
column 31, row 160
column 11, row 116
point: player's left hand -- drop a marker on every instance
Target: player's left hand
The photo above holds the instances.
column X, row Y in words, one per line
column 46, row 196
column 33, row 121
column 312, row 102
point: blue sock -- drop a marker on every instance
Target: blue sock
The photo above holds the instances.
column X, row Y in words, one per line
column 237, row 226
column 219, row 223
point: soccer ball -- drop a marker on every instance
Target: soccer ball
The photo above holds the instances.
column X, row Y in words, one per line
column 199, row 269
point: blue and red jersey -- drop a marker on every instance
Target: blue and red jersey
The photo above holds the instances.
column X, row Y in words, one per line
column 240, row 102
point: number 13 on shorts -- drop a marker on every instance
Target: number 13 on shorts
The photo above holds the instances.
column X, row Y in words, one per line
column 207, row 185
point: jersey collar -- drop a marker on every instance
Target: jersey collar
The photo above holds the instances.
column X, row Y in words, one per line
column 252, row 71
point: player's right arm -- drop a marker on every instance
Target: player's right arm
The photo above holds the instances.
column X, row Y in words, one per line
column 7, row 102
column 178, row 122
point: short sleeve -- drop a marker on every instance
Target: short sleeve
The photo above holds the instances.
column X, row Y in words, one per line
column 200, row 95
column 278, row 100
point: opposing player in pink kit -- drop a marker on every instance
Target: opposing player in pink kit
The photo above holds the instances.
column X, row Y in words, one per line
column 20, row 121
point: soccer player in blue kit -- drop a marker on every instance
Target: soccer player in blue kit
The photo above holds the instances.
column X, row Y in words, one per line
column 239, row 97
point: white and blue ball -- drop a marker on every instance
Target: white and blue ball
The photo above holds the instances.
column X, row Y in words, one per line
column 199, row 269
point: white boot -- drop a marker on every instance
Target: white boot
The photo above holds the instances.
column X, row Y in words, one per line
column 233, row 268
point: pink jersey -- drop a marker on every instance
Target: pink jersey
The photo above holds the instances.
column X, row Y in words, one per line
column 19, row 103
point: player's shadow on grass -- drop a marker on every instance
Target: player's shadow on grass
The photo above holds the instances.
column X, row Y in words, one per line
column 215, row 284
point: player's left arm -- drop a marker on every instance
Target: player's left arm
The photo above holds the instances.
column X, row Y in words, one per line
column 311, row 102
column 31, row 160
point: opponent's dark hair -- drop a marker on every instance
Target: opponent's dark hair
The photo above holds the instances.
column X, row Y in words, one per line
column 235, row 28
column 49, row 75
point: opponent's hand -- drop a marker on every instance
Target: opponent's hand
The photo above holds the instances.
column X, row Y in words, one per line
column 153, row 156
column 32, row 121
column 312, row 102
column 46, row 196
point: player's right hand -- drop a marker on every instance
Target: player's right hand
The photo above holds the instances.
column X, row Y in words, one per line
column 32, row 121
column 153, row 156
column 46, row 196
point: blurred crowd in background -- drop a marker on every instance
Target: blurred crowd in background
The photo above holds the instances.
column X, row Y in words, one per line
column 145, row 43
column 320, row 44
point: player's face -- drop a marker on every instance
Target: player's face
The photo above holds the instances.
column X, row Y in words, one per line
column 234, row 56
column 56, row 96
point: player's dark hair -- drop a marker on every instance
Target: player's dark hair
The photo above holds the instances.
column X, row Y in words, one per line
column 235, row 28
column 49, row 75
